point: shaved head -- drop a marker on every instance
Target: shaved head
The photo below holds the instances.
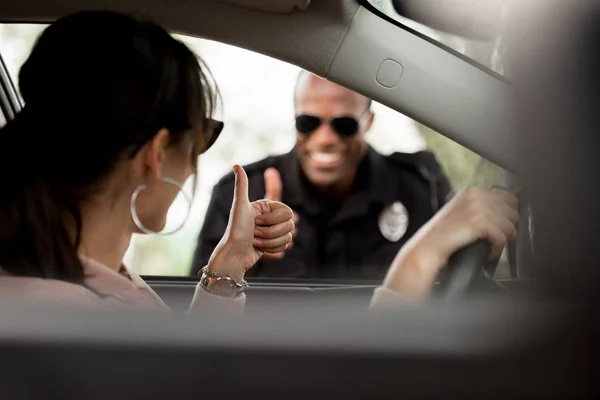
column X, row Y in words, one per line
column 304, row 77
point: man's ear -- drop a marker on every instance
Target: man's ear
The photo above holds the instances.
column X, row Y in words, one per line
column 154, row 155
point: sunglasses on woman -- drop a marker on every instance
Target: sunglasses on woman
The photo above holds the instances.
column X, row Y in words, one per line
column 216, row 129
column 345, row 126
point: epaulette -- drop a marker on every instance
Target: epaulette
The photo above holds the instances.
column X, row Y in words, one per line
column 423, row 162
column 426, row 165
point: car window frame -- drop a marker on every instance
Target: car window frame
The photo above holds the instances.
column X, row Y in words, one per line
column 13, row 103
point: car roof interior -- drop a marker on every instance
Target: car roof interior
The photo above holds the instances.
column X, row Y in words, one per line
column 342, row 41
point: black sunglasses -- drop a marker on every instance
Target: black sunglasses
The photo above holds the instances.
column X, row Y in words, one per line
column 217, row 128
column 345, row 126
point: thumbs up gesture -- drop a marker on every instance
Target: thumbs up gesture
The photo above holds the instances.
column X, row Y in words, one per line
column 273, row 191
column 255, row 229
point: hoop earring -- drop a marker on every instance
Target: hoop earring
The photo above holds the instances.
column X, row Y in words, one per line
column 137, row 220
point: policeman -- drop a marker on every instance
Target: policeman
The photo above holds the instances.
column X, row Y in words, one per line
column 354, row 207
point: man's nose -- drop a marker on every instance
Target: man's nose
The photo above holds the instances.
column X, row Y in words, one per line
column 325, row 136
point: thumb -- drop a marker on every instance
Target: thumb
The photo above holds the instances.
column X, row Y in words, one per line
column 240, row 192
column 273, row 185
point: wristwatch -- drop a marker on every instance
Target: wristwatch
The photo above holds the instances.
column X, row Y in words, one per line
column 220, row 285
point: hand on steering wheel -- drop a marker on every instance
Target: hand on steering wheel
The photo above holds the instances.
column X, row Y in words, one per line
column 476, row 214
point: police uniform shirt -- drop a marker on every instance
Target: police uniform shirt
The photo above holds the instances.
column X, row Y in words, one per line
column 392, row 197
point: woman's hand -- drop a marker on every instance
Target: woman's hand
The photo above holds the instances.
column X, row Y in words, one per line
column 254, row 229
column 474, row 214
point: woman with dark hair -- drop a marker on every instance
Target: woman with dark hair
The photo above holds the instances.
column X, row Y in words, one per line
column 117, row 112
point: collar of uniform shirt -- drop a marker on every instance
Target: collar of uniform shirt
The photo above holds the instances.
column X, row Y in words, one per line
column 379, row 172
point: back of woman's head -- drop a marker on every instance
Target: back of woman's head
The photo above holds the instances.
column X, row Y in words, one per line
column 97, row 87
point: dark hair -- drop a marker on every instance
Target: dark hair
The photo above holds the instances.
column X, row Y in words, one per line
column 304, row 72
column 97, row 87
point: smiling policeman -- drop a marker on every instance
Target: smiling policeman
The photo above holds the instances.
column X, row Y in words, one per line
column 354, row 207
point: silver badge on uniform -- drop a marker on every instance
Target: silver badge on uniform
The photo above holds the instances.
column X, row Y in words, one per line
column 393, row 221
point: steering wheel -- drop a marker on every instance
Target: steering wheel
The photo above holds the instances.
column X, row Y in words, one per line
column 464, row 268
column 467, row 267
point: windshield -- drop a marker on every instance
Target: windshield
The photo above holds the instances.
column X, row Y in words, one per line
column 489, row 53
